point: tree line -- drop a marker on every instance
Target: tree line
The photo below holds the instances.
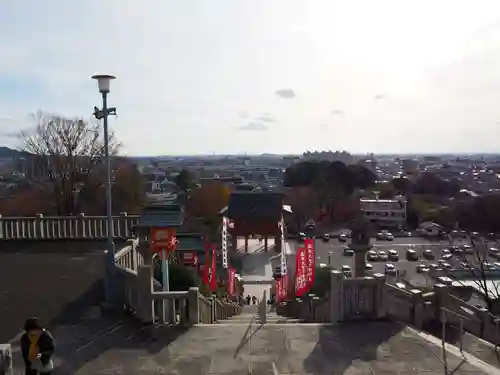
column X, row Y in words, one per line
column 63, row 162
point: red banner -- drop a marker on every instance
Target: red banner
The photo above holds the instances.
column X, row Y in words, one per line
column 231, row 281
column 282, row 289
column 300, row 272
column 311, row 262
column 206, row 269
column 163, row 239
column 213, row 271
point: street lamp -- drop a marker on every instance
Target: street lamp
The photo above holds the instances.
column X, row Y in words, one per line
column 103, row 82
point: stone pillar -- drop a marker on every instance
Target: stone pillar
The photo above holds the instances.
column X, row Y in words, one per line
column 265, row 243
column 336, row 313
column 418, row 308
column 145, row 310
column 246, row 244
column 380, row 296
column 194, row 307
column 360, row 251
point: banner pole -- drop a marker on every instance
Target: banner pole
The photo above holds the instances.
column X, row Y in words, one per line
column 165, row 284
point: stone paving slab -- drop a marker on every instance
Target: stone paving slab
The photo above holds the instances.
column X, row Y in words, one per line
column 126, row 348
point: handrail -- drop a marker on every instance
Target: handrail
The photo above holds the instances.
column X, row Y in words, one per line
column 79, row 227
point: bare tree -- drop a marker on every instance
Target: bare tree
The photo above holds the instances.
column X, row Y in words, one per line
column 67, row 152
column 478, row 263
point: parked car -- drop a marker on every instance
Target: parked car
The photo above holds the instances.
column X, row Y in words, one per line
column 372, row 256
column 411, row 255
column 468, row 249
column 326, row 237
column 428, row 254
column 390, row 269
column 384, row 235
column 382, row 255
column 368, row 267
column 393, row 255
column 346, row 270
column 446, row 256
column 348, row 252
column 421, row 267
column 343, row 237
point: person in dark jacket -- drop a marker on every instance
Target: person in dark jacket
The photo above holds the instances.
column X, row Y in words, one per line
column 37, row 347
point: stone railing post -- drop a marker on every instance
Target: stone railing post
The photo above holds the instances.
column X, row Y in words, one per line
column 418, row 308
column 336, row 313
column 380, row 295
column 441, row 292
column 38, row 227
column 120, row 226
column 194, row 305
column 80, row 226
column 145, row 310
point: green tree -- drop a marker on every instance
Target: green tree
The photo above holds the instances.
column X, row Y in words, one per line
column 184, row 180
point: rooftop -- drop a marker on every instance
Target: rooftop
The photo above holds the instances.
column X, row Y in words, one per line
column 258, row 205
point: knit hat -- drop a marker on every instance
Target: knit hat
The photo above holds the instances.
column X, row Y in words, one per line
column 31, row 324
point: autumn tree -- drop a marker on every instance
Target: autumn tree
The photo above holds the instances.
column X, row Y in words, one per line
column 205, row 205
column 68, row 153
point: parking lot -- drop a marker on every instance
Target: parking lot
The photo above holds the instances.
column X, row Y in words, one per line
column 335, row 250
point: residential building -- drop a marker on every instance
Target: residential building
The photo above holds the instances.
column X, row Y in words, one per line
column 385, row 212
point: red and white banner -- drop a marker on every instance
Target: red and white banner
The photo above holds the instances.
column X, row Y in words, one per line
column 206, row 269
column 189, row 258
column 311, row 262
column 281, row 289
column 213, row 271
column 163, row 239
column 231, row 282
column 300, row 272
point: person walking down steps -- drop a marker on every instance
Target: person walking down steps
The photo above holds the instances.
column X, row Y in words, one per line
column 37, row 347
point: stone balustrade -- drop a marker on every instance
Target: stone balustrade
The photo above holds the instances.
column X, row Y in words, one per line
column 79, row 227
column 135, row 282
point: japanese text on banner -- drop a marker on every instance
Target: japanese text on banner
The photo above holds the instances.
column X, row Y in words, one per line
column 300, row 272
column 311, row 262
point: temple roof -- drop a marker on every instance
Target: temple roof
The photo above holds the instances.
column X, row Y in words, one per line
column 258, row 205
column 168, row 215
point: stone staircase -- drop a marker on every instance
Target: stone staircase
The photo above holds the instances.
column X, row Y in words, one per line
column 249, row 315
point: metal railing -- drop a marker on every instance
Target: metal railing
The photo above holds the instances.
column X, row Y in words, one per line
column 78, row 227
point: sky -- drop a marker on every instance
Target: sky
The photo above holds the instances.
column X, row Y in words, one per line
column 260, row 76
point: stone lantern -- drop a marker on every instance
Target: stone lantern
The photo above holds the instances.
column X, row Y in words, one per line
column 360, row 243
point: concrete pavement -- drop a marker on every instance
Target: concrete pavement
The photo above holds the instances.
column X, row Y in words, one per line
column 360, row 348
column 257, row 267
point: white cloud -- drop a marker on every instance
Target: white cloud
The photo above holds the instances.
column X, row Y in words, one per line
column 187, row 70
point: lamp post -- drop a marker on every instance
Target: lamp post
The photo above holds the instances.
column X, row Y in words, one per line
column 103, row 82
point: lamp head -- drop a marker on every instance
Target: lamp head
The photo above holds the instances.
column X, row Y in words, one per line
column 103, row 82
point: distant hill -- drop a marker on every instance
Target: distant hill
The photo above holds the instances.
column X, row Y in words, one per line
column 10, row 153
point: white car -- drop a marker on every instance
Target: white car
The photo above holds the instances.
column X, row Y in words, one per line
column 468, row 249
column 382, row 255
column 446, row 256
column 390, row 269
column 393, row 255
column 493, row 251
column 372, row 256
column 346, row 270
column 445, row 251
column 368, row 267
column 421, row 267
